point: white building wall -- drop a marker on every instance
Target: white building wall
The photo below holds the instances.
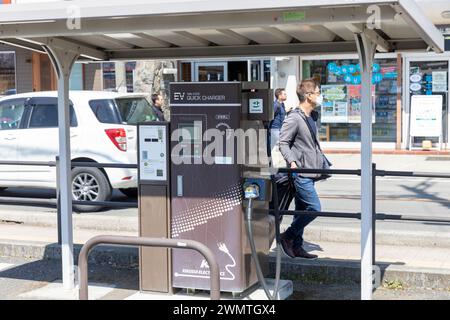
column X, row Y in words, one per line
column 287, row 75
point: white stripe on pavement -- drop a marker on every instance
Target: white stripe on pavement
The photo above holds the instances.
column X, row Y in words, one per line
column 5, row 266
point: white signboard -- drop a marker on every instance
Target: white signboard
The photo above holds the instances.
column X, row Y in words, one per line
column 426, row 116
column 152, row 152
column 439, row 81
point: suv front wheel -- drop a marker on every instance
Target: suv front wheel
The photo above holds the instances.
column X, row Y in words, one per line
column 89, row 184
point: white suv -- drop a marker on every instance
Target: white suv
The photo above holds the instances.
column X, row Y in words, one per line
column 103, row 130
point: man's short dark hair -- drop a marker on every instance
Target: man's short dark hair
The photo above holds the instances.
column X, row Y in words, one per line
column 155, row 97
column 278, row 92
column 306, row 86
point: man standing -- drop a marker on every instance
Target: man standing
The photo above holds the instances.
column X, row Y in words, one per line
column 300, row 148
column 157, row 101
column 279, row 115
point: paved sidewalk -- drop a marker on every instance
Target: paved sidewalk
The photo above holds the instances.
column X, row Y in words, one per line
column 40, row 279
column 420, row 266
column 413, row 257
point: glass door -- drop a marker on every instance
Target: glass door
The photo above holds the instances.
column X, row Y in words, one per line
column 211, row 71
column 259, row 70
column 427, row 77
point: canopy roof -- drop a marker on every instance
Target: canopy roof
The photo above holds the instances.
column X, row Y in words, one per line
column 153, row 29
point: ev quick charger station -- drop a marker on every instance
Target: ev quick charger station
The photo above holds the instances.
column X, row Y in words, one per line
column 191, row 187
column 176, row 29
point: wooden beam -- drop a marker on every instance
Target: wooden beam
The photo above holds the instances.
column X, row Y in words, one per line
column 36, row 74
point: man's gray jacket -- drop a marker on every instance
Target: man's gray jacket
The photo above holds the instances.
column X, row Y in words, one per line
column 297, row 144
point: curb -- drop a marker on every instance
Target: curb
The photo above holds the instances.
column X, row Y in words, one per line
column 303, row 272
column 122, row 256
column 324, row 271
column 423, row 239
column 89, row 222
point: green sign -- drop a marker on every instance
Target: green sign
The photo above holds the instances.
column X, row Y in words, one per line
column 293, row 16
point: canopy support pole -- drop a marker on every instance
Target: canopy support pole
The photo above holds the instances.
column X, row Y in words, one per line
column 63, row 60
column 366, row 51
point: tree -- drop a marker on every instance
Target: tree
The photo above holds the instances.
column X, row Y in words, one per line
column 150, row 78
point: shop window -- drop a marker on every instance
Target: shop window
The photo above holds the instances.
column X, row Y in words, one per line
column 340, row 114
column 76, row 77
column 266, row 71
column 211, row 71
column 255, row 70
column 428, row 78
column 129, row 75
column 109, row 76
column 7, row 73
column 186, row 71
column 237, row 71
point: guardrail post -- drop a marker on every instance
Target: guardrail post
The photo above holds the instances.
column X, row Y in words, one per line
column 58, row 199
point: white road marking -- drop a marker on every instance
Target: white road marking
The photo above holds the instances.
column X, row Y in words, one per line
column 5, row 266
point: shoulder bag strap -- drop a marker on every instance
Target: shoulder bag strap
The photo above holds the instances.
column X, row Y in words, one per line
column 313, row 134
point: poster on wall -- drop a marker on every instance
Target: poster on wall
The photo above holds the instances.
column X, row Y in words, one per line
column 354, row 104
column 426, row 116
column 335, row 104
column 439, row 81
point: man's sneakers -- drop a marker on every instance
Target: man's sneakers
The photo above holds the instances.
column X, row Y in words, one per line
column 289, row 250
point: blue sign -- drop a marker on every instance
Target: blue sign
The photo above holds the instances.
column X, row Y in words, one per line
column 350, row 73
column 352, row 68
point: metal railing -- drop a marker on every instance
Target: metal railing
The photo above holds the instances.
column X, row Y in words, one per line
column 214, row 272
column 74, row 164
column 375, row 173
column 357, row 172
column 375, row 216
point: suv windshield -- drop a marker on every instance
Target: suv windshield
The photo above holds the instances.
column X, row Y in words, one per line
column 134, row 110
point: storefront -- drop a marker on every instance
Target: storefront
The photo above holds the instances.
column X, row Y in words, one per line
column 426, row 100
column 399, row 120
